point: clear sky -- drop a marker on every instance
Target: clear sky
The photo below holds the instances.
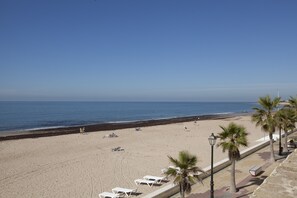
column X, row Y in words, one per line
column 147, row 50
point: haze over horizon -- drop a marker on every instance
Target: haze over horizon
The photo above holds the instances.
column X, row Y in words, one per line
column 147, row 50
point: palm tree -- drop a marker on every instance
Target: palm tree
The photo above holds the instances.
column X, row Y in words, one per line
column 264, row 118
column 293, row 103
column 185, row 171
column 286, row 119
column 231, row 138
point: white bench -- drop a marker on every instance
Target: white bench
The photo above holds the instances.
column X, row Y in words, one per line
column 255, row 170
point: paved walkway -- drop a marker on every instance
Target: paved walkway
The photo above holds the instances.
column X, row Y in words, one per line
column 246, row 184
column 282, row 181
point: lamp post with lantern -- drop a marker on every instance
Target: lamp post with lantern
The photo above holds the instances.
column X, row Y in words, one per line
column 212, row 141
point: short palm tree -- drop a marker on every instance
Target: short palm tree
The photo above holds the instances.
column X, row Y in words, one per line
column 185, row 171
column 285, row 119
column 264, row 118
column 231, row 138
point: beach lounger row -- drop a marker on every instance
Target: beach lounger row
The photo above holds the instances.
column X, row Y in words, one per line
column 122, row 192
column 149, row 180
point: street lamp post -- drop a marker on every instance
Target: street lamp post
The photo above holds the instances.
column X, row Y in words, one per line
column 280, row 149
column 212, row 142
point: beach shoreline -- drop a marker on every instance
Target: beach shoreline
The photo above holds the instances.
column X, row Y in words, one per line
column 46, row 132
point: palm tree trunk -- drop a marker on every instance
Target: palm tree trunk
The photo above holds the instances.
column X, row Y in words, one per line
column 233, row 183
column 286, row 140
column 280, row 142
column 272, row 157
column 182, row 193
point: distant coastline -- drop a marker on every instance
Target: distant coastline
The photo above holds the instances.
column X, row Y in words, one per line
column 56, row 131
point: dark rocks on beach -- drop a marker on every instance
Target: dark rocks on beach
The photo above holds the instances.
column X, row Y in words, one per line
column 104, row 127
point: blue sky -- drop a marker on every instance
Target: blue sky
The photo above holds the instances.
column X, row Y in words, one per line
column 153, row 50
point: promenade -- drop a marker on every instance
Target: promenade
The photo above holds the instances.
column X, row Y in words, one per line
column 246, row 184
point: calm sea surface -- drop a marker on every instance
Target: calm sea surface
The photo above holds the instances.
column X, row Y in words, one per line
column 16, row 116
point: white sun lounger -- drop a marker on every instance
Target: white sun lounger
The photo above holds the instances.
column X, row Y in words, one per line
column 127, row 191
column 154, row 178
column 150, row 183
column 110, row 195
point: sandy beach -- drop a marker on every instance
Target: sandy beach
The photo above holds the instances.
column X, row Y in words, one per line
column 83, row 165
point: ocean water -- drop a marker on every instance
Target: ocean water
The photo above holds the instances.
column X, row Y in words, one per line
column 17, row 116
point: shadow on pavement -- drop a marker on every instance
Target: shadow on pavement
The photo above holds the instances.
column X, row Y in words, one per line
column 253, row 181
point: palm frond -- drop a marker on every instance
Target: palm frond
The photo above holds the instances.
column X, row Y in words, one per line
column 186, row 160
column 196, row 170
column 175, row 162
column 171, row 172
column 293, row 102
column 198, row 178
column 285, row 119
column 177, row 179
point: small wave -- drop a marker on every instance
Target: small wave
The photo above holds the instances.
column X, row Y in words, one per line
column 42, row 128
column 223, row 113
column 144, row 120
column 116, row 122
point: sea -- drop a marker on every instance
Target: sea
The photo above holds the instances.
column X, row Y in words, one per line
column 23, row 116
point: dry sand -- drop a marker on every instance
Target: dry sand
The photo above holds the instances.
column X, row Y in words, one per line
column 79, row 165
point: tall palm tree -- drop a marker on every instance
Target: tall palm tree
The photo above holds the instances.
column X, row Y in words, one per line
column 185, row 171
column 286, row 118
column 264, row 118
column 231, row 138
